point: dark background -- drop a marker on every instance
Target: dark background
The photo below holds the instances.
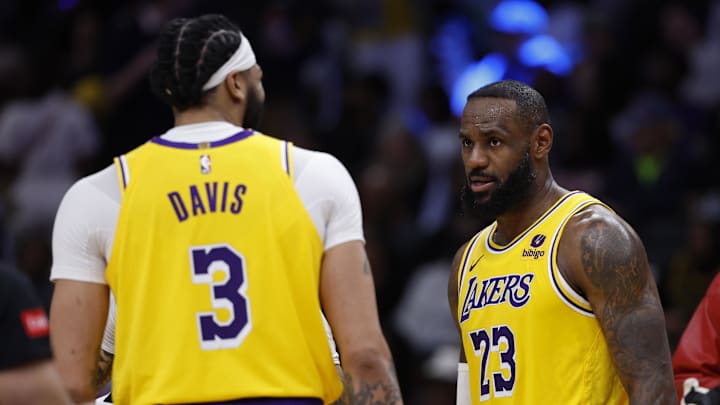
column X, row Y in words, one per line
column 636, row 119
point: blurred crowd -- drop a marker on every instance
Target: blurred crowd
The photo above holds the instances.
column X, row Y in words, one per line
column 636, row 119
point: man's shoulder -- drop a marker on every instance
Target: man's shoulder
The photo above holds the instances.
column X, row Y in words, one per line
column 596, row 217
column 318, row 164
column 109, row 171
column 102, row 183
column 596, row 231
column 313, row 154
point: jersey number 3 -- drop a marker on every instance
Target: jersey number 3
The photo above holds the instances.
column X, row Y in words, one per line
column 500, row 340
column 228, row 325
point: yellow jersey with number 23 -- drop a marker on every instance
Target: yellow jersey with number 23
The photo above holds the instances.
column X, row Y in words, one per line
column 528, row 337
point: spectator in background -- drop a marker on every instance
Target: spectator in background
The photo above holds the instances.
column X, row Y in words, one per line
column 651, row 164
column 47, row 138
column 693, row 263
column 385, row 39
column 27, row 375
column 47, row 141
column 358, row 135
column 696, row 362
column 45, row 145
column 425, row 332
column 124, row 60
column 434, row 127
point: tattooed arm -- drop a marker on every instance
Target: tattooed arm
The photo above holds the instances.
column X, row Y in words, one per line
column 347, row 293
column 103, row 370
column 604, row 259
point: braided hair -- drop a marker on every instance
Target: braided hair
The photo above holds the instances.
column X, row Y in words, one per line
column 189, row 51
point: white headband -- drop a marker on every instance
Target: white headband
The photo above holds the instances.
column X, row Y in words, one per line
column 243, row 59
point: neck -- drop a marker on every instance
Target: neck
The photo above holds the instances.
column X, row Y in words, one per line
column 202, row 114
column 516, row 220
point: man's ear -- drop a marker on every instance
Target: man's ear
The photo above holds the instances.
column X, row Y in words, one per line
column 236, row 85
column 542, row 140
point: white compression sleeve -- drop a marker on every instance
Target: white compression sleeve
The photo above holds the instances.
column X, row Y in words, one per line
column 108, row 342
column 463, row 385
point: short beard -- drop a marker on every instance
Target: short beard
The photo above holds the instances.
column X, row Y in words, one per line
column 509, row 193
column 253, row 110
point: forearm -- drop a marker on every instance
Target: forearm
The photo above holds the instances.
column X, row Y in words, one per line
column 35, row 383
column 103, row 370
column 83, row 387
column 642, row 357
column 347, row 294
column 80, row 372
column 655, row 395
column 370, row 381
column 77, row 319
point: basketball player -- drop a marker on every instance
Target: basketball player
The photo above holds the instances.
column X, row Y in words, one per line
column 221, row 246
column 27, row 374
column 553, row 299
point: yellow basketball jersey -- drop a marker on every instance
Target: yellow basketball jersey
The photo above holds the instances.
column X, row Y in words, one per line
column 215, row 267
column 527, row 336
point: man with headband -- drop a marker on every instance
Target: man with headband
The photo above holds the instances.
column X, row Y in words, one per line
column 222, row 247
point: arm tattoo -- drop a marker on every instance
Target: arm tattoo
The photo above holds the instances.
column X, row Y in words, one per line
column 631, row 317
column 103, row 370
column 379, row 393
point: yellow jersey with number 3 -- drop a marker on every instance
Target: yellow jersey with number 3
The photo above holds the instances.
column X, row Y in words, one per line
column 528, row 337
column 215, row 267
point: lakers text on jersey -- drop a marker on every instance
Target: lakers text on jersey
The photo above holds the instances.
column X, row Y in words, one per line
column 528, row 337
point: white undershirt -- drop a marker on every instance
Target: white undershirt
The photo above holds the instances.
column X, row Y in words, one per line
column 85, row 223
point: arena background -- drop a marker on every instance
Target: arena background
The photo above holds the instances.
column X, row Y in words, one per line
column 632, row 87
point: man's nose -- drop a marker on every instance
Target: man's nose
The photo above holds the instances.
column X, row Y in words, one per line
column 477, row 157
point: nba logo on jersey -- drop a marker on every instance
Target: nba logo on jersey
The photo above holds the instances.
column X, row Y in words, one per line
column 205, row 164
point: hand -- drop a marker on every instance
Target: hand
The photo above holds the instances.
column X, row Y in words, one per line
column 694, row 394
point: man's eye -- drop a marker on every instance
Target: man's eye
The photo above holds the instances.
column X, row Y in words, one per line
column 494, row 142
column 466, row 143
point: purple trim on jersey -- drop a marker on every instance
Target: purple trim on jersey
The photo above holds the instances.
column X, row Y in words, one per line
column 467, row 259
column 188, row 145
column 287, row 157
column 123, row 171
column 519, row 238
column 269, row 401
column 551, row 259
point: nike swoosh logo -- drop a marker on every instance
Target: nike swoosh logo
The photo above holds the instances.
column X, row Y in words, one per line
column 472, row 266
